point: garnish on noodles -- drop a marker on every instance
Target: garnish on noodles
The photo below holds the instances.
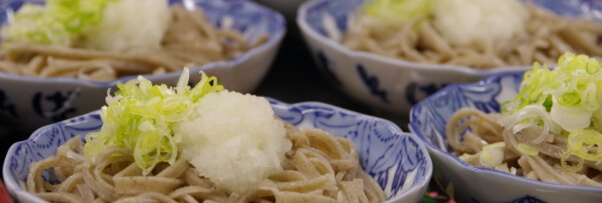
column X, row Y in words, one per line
column 550, row 131
column 200, row 144
column 140, row 116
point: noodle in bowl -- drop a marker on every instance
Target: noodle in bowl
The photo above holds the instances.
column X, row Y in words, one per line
column 384, row 150
column 428, row 120
column 388, row 84
column 31, row 102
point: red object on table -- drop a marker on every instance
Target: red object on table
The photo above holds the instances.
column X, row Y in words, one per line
column 4, row 196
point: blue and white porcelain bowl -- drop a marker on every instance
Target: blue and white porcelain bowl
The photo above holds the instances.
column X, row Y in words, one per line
column 27, row 103
column 397, row 160
column 386, row 84
column 466, row 183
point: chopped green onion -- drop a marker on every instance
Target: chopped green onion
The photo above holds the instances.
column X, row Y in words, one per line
column 491, row 157
column 527, row 149
column 391, row 10
column 140, row 115
column 57, row 22
column 495, row 145
column 571, row 94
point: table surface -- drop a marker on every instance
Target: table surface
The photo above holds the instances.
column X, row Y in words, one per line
column 292, row 78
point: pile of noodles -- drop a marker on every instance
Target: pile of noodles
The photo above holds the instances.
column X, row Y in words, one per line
column 319, row 168
column 470, row 131
column 191, row 40
column 544, row 38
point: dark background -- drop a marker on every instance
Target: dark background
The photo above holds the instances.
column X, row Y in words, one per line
column 294, row 77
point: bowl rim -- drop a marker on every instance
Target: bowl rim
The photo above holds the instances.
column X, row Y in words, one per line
column 15, row 189
column 398, row 63
column 462, row 165
column 273, row 41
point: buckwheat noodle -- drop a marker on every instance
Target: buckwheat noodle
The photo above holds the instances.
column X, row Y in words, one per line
column 468, row 130
column 319, row 168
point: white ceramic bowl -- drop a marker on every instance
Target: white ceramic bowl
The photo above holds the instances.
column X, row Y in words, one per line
column 397, row 160
column 27, row 103
column 467, row 183
column 386, row 84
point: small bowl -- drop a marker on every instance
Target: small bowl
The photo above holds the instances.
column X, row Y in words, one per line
column 397, row 160
column 387, row 84
column 466, row 183
column 27, row 103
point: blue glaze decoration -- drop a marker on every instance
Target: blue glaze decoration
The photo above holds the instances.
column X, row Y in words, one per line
column 340, row 10
column 430, row 118
column 327, row 66
column 7, row 106
column 372, row 84
column 56, row 106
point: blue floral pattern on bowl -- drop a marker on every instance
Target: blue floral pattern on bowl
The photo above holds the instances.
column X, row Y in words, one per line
column 572, row 8
column 371, row 82
column 397, row 160
column 428, row 121
column 41, row 101
column 339, row 10
column 326, row 66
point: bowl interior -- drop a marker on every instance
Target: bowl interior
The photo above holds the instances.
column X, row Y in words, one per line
column 247, row 17
column 341, row 11
column 429, row 117
column 398, row 161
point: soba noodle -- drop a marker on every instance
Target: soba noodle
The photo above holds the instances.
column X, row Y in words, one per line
column 544, row 38
column 190, row 41
column 319, row 168
column 470, row 130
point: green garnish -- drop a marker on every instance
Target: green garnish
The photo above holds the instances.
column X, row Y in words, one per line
column 56, row 22
column 140, row 115
column 390, row 10
column 580, row 144
column 568, row 98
